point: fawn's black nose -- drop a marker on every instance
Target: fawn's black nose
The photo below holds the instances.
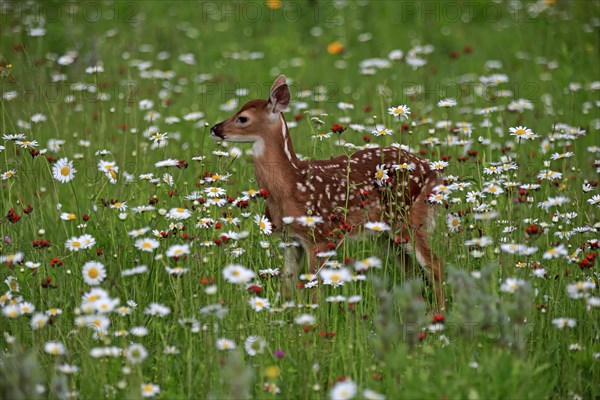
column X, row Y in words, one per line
column 217, row 131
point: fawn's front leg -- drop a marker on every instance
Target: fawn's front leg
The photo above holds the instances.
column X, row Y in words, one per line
column 315, row 264
column 292, row 263
column 292, row 259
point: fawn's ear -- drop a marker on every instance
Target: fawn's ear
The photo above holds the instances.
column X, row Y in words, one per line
column 279, row 98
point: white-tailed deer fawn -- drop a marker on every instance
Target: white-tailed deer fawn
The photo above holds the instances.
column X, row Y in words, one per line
column 346, row 187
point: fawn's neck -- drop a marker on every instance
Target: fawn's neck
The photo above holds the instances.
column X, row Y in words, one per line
column 276, row 165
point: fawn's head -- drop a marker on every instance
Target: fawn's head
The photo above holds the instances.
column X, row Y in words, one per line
column 257, row 119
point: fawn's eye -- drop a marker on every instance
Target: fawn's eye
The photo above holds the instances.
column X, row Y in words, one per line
column 242, row 119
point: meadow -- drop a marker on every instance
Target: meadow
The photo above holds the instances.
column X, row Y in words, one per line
column 134, row 257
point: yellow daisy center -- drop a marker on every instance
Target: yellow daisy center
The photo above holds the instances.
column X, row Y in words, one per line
column 148, row 388
column 272, row 372
column 64, row 171
column 76, row 244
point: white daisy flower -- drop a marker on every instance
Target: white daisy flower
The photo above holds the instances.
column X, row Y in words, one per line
column 305, row 319
column 178, row 250
column 259, row 303
column 335, row 277
column 237, row 274
column 214, row 191
column 309, row 221
column 179, row 213
column 254, row 345
column 149, row 389
column 93, row 273
column 55, row 348
column 510, row 285
column 136, row 353
column 562, row 323
column 377, row 226
column 63, row 170
column 381, row 174
column 264, row 224
column 146, row 244
column 344, row 390
column 225, row 344
column 382, row 131
column 399, row 111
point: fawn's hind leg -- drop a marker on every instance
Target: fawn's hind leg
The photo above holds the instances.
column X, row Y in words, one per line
column 404, row 256
column 432, row 266
column 421, row 218
column 417, row 255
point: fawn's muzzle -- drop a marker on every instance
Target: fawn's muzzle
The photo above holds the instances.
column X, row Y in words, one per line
column 217, row 131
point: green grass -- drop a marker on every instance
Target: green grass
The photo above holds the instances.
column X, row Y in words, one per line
column 495, row 343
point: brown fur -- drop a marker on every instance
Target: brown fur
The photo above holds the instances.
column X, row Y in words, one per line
column 340, row 190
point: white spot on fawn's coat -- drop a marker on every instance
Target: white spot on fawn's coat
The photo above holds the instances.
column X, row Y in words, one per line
column 285, row 144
